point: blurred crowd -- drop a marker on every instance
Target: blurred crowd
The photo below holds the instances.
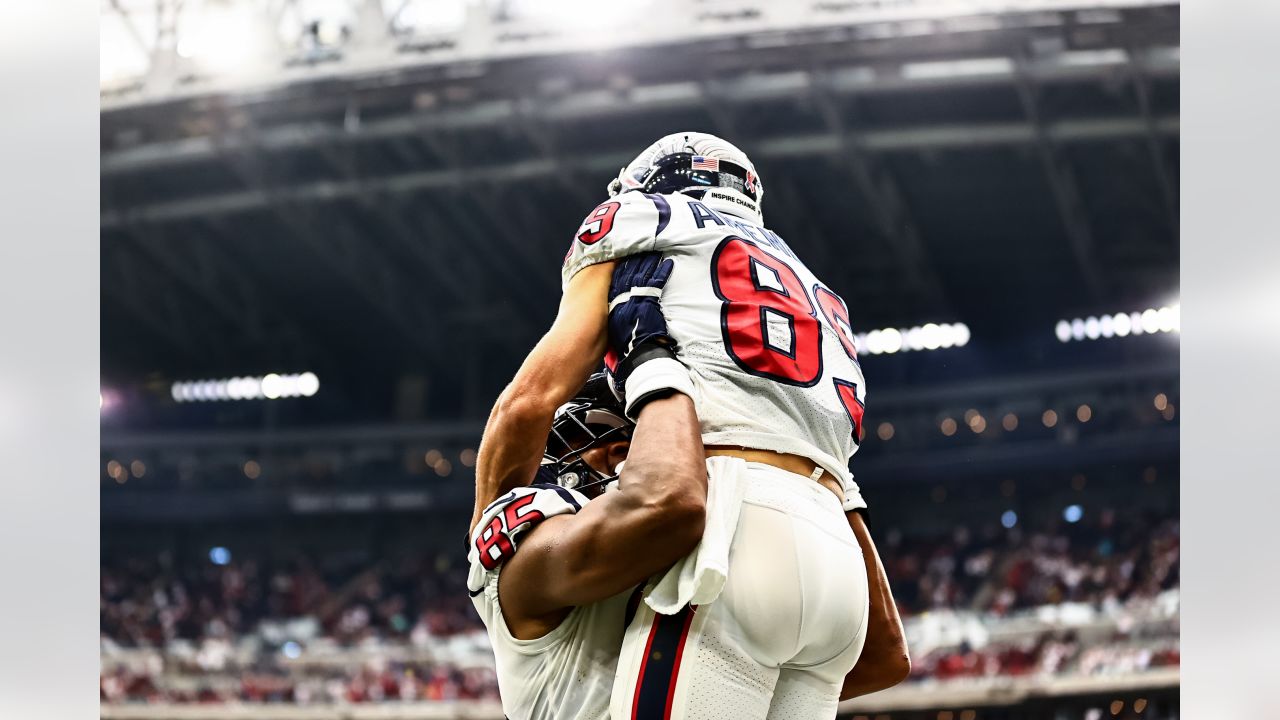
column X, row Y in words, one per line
column 1049, row 653
column 392, row 682
column 259, row 628
column 155, row 600
column 1104, row 562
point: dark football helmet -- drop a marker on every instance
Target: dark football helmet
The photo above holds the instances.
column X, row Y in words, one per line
column 591, row 419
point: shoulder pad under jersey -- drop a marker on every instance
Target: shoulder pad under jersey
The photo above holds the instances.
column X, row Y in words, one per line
column 626, row 224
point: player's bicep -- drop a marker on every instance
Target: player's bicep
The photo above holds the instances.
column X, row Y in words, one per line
column 526, row 574
column 575, row 344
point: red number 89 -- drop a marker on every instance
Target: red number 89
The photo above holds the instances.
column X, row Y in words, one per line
column 759, row 292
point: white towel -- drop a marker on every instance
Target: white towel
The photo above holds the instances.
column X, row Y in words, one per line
column 699, row 577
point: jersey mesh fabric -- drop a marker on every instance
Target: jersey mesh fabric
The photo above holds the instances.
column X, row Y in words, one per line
column 729, row 683
column 800, row 695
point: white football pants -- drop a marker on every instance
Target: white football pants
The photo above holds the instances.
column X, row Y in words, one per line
column 785, row 630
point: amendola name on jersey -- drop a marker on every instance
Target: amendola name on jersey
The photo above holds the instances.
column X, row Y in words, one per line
column 569, row 671
column 768, row 346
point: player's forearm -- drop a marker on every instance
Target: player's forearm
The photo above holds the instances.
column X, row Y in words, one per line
column 511, row 447
column 666, row 463
column 884, row 661
column 657, row 514
column 663, row 486
column 559, row 364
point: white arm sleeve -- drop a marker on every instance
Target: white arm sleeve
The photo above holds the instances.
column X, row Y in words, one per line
column 502, row 524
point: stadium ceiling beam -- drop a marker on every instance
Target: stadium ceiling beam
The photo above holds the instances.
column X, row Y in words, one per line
column 343, row 159
column 456, row 213
column 824, row 144
column 485, row 36
column 226, row 293
column 604, row 104
column 710, row 95
column 784, row 198
column 162, row 315
column 390, row 214
column 538, row 132
column 282, row 332
column 1066, row 193
column 517, row 235
column 1141, row 77
column 371, row 276
column 887, row 204
column 131, row 27
column 455, row 272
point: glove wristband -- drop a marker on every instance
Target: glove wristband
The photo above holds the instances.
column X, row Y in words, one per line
column 655, row 376
column 649, row 348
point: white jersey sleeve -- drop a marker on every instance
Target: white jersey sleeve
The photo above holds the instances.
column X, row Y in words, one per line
column 628, row 224
column 502, row 524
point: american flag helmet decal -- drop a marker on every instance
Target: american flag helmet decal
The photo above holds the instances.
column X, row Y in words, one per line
column 705, row 163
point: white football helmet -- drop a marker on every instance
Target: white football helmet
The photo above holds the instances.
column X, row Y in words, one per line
column 697, row 164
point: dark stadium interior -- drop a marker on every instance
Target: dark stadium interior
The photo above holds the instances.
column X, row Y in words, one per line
column 400, row 235
column 352, row 227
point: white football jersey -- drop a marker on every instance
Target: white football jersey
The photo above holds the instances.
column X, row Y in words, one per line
column 768, row 346
column 569, row 672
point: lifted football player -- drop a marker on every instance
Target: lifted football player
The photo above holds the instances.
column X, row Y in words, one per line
column 766, row 352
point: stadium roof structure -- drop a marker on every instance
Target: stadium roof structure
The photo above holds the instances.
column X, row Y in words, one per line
column 369, row 218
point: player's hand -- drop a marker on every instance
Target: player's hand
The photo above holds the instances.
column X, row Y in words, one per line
column 636, row 322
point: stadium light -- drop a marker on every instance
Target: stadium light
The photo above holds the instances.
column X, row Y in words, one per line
column 272, row 386
column 227, row 38
column 1166, row 319
column 931, row 336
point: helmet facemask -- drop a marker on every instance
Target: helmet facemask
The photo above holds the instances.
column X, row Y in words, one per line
column 580, row 426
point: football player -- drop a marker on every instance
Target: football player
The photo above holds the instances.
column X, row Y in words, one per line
column 767, row 354
column 554, row 563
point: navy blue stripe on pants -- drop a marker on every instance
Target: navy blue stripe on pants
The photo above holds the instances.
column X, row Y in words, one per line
column 661, row 664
